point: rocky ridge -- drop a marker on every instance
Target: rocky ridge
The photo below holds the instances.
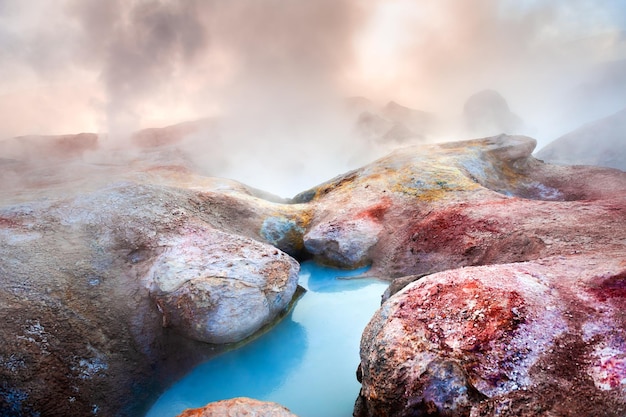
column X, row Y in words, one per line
column 479, row 341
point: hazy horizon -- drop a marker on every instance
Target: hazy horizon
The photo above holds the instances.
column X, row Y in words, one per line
column 277, row 73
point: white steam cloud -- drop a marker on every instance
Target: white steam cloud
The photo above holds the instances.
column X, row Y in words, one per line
column 275, row 72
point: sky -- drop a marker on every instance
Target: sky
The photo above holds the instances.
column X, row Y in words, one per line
column 278, row 69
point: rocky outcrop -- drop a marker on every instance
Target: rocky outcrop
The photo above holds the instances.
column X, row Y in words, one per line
column 168, row 135
column 115, row 275
column 416, row 122
column 392, row 123
column 538, row 338
column 430, row 208
column 537, row 326
column 534, row 333
column 239, row 407
column 110, row 278
column 601, row 143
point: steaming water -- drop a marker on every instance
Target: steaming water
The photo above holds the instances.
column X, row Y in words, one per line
column 306, row 363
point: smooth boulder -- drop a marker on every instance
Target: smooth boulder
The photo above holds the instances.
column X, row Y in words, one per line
column 220, row 288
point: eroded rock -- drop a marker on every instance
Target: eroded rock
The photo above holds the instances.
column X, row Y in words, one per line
column 429, row 208
column 220, row 288
column 239, row 407
column 474, row 341
column 110, row 278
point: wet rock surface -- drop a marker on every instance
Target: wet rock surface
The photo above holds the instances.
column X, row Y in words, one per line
column 239, row 407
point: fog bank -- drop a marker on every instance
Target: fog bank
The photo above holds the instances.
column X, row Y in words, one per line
column 277, row 74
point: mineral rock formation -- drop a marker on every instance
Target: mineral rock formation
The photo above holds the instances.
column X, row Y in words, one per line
column 113, row 269
column 430, row 208
column 239, row 407
column 105, row 271
column 542, row 337
column 537, row 332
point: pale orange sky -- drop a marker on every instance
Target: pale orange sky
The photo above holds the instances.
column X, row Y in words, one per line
column 88, row 65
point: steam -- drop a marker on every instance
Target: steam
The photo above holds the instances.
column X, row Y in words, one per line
column 275, row 73
column 535, row 54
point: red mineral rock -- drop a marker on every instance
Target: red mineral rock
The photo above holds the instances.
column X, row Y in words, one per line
column 476, row 341
column 239, row 407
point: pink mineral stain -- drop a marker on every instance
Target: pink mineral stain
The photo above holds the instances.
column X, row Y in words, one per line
column 613, row 288
column 469, row 313
column 377, row 211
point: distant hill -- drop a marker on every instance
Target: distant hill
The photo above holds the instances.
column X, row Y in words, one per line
column 488, row 113
column 392, row 123
column 601, row 143
column 48, row 146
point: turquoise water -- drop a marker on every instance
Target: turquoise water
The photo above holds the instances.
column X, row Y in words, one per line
column 307, row 362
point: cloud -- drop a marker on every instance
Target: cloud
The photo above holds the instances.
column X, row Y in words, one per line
column 134, row 63
column 274, row 70
column 534, row 53
column 219, row 52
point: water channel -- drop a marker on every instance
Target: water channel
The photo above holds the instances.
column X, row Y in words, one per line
column 307, row 362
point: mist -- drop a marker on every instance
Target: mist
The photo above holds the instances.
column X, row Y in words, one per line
column 275, row 76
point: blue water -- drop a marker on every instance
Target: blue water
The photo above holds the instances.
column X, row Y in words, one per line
column 307, row 362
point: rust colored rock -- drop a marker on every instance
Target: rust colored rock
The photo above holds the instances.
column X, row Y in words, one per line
column 430, row 208
column 239, row 407
column 542, row 337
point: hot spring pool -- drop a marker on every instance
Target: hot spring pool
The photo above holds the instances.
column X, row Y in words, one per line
column 307, row 362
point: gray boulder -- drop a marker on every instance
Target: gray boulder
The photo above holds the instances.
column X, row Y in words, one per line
column 220, row 288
